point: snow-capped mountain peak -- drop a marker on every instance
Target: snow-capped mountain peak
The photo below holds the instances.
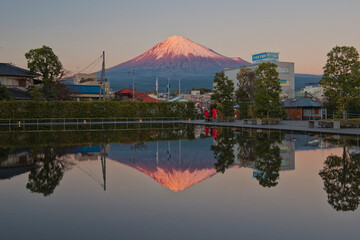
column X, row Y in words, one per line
column 180, row 46
column 177, row 57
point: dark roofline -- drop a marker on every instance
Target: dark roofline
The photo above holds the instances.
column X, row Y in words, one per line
column 7, row 69
column 301, row 102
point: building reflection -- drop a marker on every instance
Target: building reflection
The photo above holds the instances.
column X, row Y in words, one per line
column 47, row 165
column 14, row 162
column 266, row 152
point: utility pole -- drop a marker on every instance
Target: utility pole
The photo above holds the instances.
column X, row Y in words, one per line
column 157, row 89
column 103, row 163
column 102, row 79
column 133, row 76
column 179, row 87
column 168, row 88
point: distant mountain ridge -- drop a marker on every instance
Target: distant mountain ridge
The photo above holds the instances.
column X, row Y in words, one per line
column 302, row 80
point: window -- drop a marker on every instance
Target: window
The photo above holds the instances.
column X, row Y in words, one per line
column 283, row 69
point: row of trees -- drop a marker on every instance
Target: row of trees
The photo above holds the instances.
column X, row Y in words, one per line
column 258, row 93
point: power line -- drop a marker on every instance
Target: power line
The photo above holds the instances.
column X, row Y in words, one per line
column 96, row 60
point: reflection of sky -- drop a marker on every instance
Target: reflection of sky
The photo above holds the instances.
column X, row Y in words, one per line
column 226, row 206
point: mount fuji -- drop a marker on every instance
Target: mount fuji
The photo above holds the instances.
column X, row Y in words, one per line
column 176, row 57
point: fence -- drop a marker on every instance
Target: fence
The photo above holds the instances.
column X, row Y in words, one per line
column 88, row 124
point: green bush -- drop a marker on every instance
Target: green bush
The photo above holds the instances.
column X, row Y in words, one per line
column 107, row 109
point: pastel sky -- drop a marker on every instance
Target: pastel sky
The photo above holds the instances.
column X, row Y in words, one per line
column 78, row 30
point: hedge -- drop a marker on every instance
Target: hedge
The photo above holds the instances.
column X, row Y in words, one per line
column 106, row 109
column 87, row 138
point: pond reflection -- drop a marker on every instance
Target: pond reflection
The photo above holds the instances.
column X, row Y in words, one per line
column 179, row 158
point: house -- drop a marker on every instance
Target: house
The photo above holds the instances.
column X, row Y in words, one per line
column 87, row 86
column 126, row 94
column 15, row 77
column 304, row 109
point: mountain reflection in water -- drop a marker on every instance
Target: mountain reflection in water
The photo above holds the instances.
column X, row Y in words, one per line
column 182, row 158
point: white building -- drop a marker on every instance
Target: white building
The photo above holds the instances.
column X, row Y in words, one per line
column 286, row 72
column 315, row 91
column 87, row 86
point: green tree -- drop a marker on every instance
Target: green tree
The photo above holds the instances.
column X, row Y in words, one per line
column 341, row 176
column 5, row 93
column 268, row 89
column 224, row 94
column 35, row 92
column 341, row 79
column 44, row 61
column 245, row 92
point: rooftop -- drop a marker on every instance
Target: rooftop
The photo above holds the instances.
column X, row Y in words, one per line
column 20, row 94
column 139, row 96
column 6, row 69
column 301, row 102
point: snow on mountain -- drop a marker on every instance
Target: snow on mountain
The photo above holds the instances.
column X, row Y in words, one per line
column 176, row 57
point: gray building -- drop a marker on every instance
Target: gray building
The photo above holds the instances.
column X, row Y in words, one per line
column 286, row 72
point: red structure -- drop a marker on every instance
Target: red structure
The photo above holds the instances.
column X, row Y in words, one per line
column 126, row 94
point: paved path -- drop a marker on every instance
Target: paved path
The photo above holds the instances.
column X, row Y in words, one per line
column 297, row 126
column 300, row 126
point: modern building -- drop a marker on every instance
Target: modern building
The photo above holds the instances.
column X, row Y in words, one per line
column 286, row 72
column 304, row 109
column 87, row 86
column 15, row 77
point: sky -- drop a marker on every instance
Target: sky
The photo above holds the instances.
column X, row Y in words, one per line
column 78, row 31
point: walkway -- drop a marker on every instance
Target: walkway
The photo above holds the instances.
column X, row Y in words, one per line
column 297, row 126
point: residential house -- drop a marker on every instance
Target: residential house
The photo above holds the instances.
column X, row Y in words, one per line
column 15, row 77
column 304, row 109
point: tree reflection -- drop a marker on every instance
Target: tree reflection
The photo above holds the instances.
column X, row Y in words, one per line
column 48, row 175
column 341, row 176
column 268, row 163
column 260, row 151
column 223, row 149
column 246, row 150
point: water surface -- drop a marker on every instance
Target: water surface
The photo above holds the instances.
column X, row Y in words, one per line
column 179, row 183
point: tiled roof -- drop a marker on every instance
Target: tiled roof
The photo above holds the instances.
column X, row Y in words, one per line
column 19, row 94
column 301, row 102
column 139, row 96
column 7, row 69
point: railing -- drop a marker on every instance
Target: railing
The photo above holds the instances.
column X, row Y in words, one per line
column 86, row 124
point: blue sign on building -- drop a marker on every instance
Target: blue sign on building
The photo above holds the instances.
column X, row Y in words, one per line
column 266, row 56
